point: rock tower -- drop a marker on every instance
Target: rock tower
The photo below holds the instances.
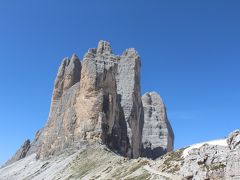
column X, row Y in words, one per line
column 99, row 99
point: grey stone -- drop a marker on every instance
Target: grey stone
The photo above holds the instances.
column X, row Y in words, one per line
column 234, row 140
column 98, row 104
column 20, row 154
column 98, row 100
column 158, row 135
column 206, row 162
column 214, row 161
column 68, row 75
column 58, row 134
column 102, row 107
column 35, row 145
column 128, row 87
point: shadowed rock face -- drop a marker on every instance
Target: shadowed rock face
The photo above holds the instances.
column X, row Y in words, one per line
column 58, row 134
column 128, row 87
column 99, row 111
column 68, row 74
column 98, row 99
column 92, row 102
column 20, row 154
column 157, row 132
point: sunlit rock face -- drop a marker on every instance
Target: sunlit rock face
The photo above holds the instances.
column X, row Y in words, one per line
column 214, row 160
column 99, row 99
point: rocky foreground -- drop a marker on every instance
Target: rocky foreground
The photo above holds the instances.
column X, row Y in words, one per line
column 100, row 127
column 214, row 160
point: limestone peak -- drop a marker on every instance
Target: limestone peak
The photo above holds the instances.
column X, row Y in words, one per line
column 104, row 47
column 99, row 100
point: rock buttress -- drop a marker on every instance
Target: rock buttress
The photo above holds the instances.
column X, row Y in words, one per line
column 128, row 87
column 98, row 103
column 158, row 135
column 58, row 134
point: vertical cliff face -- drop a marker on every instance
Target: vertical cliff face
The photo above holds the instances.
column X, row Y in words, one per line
column 99, row 111
column 58, row 134
column 99, row 99
column 128, row 87
column 68, row 74
column 92, row 102
column 157, row 132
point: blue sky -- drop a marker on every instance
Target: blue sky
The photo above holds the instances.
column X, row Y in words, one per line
column 190, row 54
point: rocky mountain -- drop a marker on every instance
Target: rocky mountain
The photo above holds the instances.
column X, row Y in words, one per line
column 99, row 100
column 100, row 127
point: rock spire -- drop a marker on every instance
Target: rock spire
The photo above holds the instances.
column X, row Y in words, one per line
column 99, row 100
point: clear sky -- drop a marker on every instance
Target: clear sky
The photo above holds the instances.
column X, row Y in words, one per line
column 190, row 54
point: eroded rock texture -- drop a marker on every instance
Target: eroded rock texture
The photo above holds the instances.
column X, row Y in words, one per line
column 99, row 110
column 68, row 74
column 214, row 161
column 92, row 101
column 234, row 139
column 21, row 153
column 128, row 88
column 58, row 134
column 99, row 99
column 158, row 135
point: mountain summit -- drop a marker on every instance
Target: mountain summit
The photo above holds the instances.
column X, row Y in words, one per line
column 99, row 100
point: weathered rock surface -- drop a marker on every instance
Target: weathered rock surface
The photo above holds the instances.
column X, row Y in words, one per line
column 234, row 140
column 212, row 160
column 36, row 144
column 158, row 135
column 97, row 113
column 129, row 90
column 99, row 99
column 58, row 134
column 205, row 162
column 68, row 74
column 91, row 162
column 21, row 153
column 98, row 107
